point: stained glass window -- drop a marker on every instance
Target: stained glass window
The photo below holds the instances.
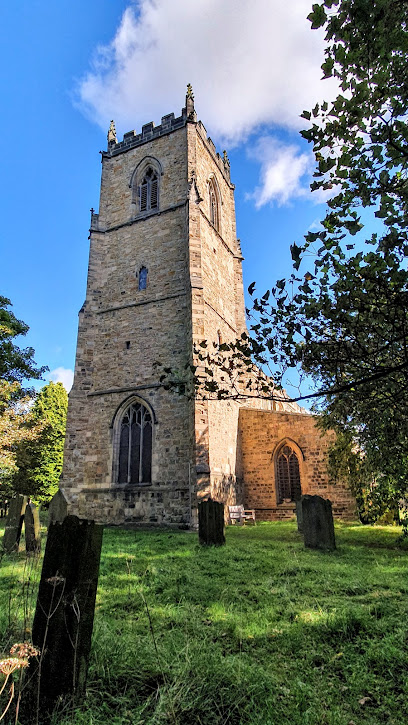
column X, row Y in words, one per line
column 135, row 447
column 288, row 475
column 143, row 278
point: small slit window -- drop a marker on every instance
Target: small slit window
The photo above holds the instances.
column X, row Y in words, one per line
column 143, row 278
column 149, row 191
column 135, row 445
column 214, row 210
column 288, row 476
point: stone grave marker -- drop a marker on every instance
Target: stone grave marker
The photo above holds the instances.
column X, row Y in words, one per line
column 211, row 523
column 63, row 619
column 32, row 529
column 14, row 523
column 58, row 508
column 318, row 527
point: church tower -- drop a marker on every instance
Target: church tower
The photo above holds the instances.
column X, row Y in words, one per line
column 164, row 273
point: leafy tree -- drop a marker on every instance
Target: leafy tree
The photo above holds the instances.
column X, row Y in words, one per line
column 343, row 322
column 16, row 364
column 39, row 457
column 17, row 425
column 16, row 417
column 346, row 322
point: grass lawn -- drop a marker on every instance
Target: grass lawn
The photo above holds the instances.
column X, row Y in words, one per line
column 259, row 631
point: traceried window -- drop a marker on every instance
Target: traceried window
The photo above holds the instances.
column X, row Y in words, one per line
column 142, row 278
column 149, row 191
column 135, row 445
column 288, row 476
column 214, row 211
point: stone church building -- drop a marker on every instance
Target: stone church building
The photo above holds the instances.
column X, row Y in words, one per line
column 165, row 272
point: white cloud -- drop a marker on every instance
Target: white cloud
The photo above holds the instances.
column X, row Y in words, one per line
column 62, row 375
column 315, row 226
column 249, row 64
column 285, row 172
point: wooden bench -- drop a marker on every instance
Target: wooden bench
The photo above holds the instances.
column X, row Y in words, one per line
column 237, row 514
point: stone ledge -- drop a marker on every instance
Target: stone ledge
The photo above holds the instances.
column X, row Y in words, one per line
column 144, row 216
column 111, row 391
column 142, row 302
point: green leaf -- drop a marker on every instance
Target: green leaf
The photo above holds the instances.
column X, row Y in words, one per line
column 317, row 17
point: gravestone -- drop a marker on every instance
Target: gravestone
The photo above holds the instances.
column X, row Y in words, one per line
column 63, row 619
column 299, row 516
column 32, row 529
column 14, row 523
column 58, row 508
column 318, row 527
column 211, row 523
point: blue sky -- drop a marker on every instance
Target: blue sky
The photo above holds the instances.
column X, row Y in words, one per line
column 70, row 66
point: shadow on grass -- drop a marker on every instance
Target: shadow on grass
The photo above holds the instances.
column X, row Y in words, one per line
column 259, row 631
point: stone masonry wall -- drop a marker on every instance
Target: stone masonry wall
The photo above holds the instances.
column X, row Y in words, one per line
column 261, row 434
column 194, row 292
column 218, row 310
column 123, row 331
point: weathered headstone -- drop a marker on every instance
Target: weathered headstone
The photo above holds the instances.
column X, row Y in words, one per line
column 14, row 523
column 32, row 529
column 58, row 508
column 211, row 523
column 299, row 515
column 318, row 527
column 63, row 620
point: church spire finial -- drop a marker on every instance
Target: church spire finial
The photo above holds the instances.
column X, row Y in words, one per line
column 112, row 138
column 190, row 102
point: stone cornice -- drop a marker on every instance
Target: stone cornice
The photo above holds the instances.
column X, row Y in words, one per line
column 126, row 389
column 220, row 237
column 140, row 218
column 150, row 301
column 221, row 317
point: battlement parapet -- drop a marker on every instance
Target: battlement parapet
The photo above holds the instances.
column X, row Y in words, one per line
column 221, row 161
column 131, row 139
column 169, row 123
column 94, row 221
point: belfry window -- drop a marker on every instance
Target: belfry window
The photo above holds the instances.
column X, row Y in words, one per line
column 214, row 211
column 149, row 191
column 142, row 278
column 135, row 445
column 287, row 476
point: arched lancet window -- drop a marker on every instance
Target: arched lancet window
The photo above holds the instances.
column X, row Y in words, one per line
column 214, row 209
column 135, row 445
column 287, row 475
column 149, row 191
column 142, row 278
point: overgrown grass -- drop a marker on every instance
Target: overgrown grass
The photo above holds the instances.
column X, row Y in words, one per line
column 260, row 631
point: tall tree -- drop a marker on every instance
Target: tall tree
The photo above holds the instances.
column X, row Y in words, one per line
column 17, row 425
column 346, row 323
column 39, row 458
column 16, row 364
